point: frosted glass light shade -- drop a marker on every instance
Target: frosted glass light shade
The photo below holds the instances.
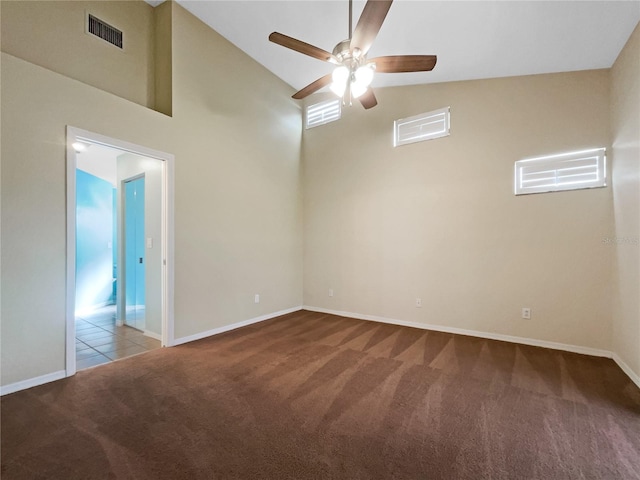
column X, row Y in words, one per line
column 338, row 88
column 364, row 75
column 339, row 76
column 357, row 89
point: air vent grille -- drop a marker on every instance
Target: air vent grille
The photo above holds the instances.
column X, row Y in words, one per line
column 105, row 31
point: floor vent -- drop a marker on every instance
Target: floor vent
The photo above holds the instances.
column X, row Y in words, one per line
column 105, row 31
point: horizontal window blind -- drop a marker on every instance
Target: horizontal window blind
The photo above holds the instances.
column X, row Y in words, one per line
column 324, row 112
column 567, row 171
column 419, row 128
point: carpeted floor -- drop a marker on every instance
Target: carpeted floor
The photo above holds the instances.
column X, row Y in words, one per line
column 314, row 396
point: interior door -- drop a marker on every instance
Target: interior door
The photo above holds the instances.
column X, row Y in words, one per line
column 135, row 280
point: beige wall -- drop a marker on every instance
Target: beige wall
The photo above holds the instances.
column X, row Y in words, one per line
column 237, row 214
column 52, row 34
column 438, row 220
column 163, row 59
column 625, row 122
column 240, row 204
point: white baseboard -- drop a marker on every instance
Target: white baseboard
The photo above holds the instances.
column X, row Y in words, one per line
column 635, row 378
column 32, row 382
column 149, row 333
column 233, row 326
column 472, row 333
column 50, row 377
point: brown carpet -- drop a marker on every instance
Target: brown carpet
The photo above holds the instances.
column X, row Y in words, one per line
column 314, row 396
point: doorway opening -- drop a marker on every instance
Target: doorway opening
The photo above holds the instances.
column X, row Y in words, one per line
column 119, row 249
column 134, row 253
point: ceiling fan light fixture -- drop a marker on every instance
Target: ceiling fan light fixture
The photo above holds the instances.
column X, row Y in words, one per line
column 361, row 79
column 364, row 75
column 340, row 76
column 352, row 72
column 357, row 89
column 338, row 88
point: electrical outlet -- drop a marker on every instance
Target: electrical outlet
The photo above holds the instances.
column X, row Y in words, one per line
column 526, row 313
column 256, row 299
column 331, row 292
column 418, row 302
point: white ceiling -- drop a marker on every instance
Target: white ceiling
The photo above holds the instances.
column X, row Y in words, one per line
column 99, row 160
column 472, row 39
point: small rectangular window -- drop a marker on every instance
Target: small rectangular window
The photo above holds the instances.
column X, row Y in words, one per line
column 566, row 171
column 324, row 112
column 419, row 128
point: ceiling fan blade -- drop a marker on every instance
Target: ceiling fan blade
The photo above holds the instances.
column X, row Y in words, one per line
column 368, row 99
column 404, row 63
column 302, row 47
column 369, row 24
column 313, row 87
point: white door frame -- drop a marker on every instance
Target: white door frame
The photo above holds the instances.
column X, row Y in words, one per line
column 74, row 135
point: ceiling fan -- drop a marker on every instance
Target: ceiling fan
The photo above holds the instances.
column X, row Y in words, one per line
column 354, row 72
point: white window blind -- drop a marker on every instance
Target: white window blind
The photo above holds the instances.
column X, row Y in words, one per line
column 566, row 171
column 419, row 128
column 324, row 112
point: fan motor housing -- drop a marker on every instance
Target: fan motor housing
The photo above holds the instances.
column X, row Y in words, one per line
column 342, row 51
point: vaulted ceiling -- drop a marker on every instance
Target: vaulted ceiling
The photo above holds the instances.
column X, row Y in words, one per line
column 472, row 39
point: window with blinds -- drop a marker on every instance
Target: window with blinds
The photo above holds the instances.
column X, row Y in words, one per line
column 419, row 128
column 323, row 112
column 566, row 171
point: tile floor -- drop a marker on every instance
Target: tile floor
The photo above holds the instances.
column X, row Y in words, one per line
column 99, row 340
